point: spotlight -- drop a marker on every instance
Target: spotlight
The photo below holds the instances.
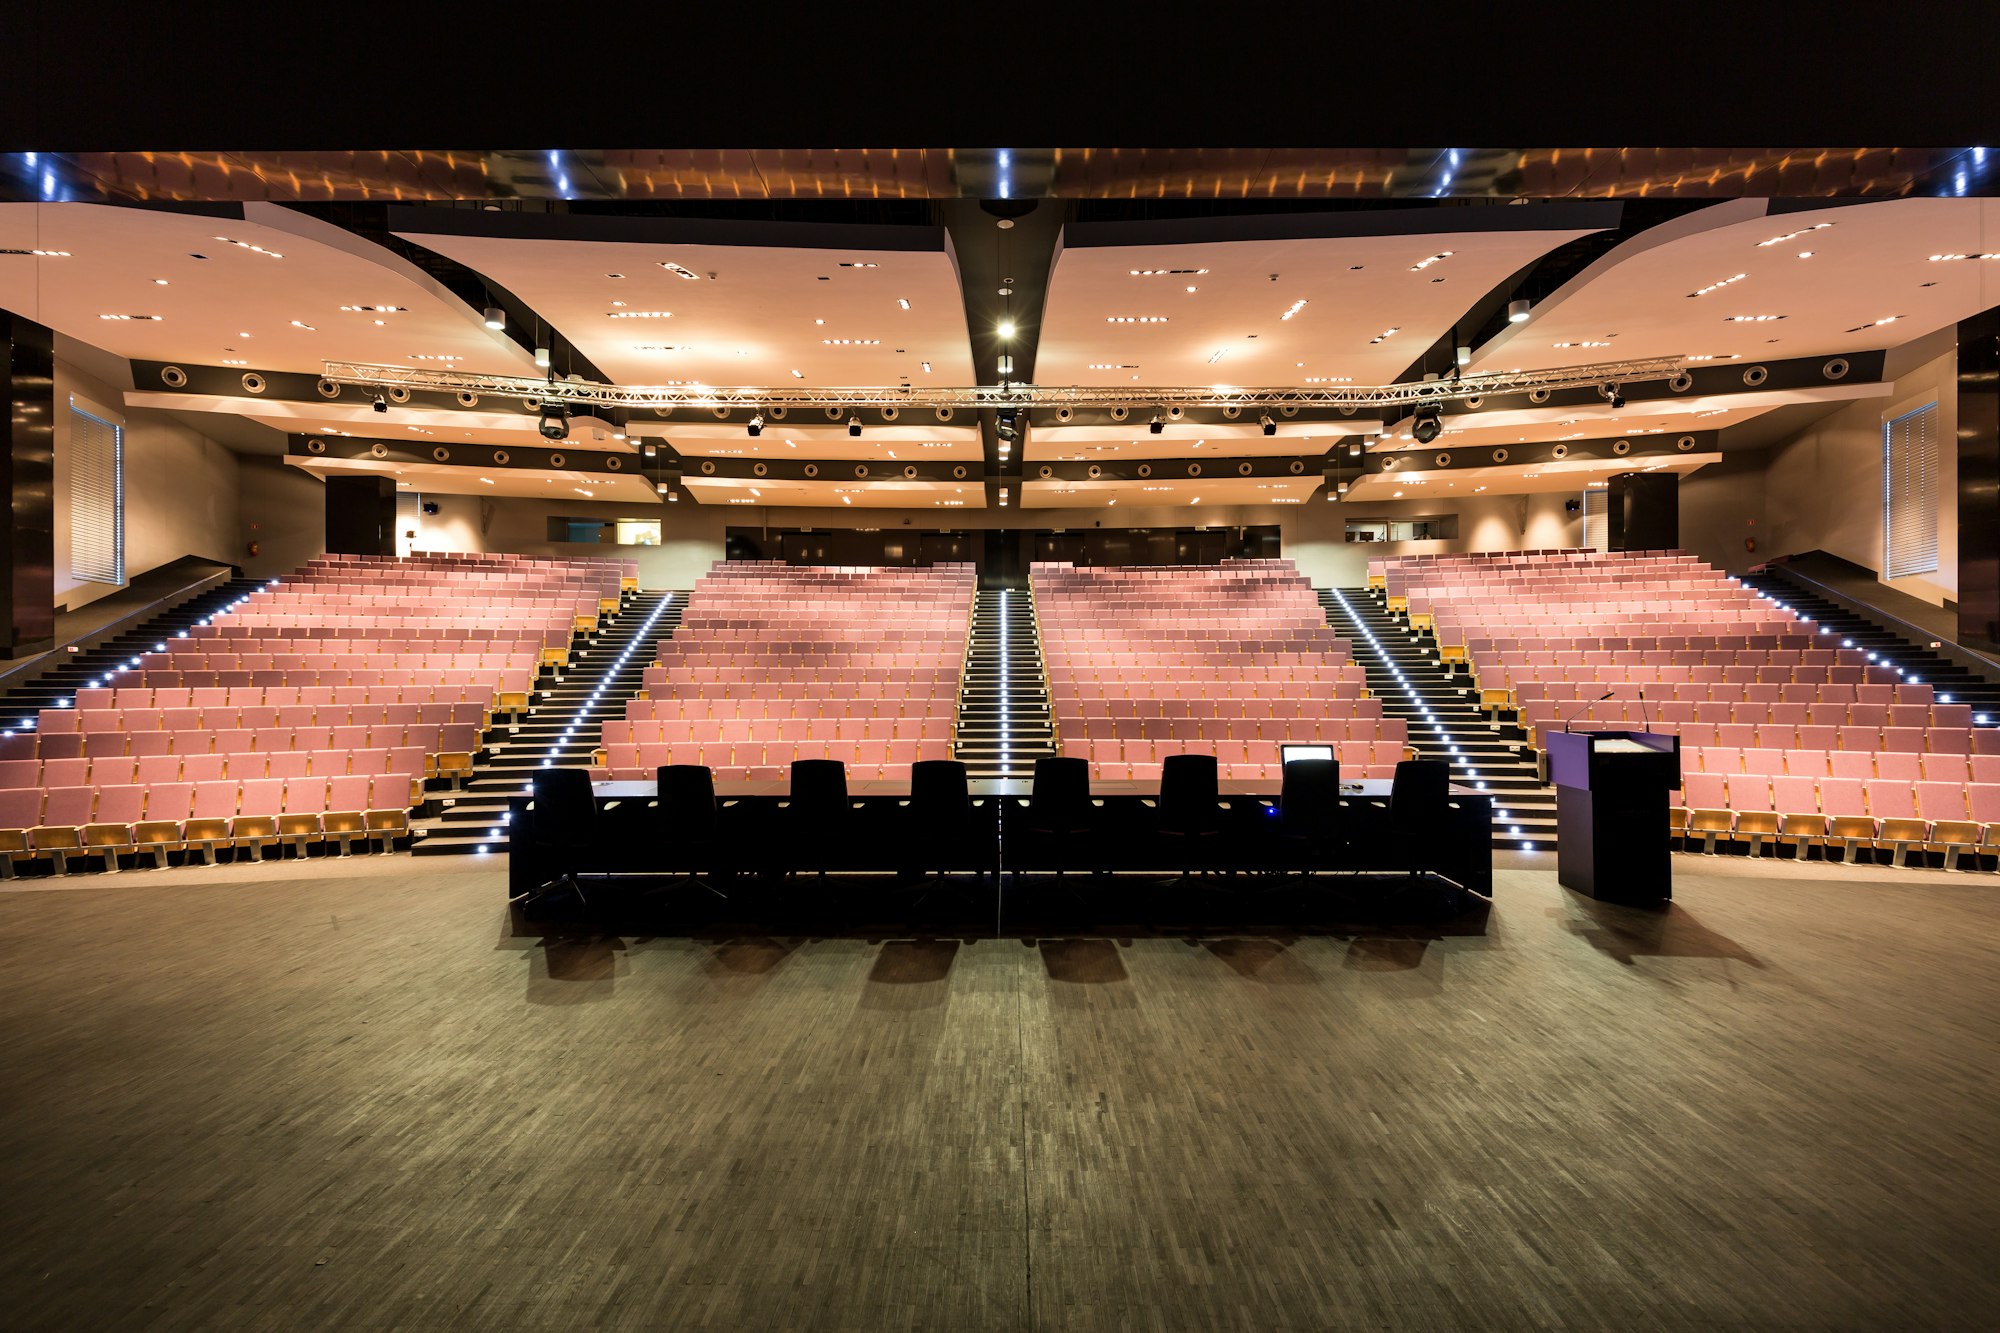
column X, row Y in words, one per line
column 542, row 357
column 756, row 428
column 1426, row 427
column 1464, row 356
column 1006, row 329
column 1354, row 449
column 1517, row 312
column 495, row 317
column 1157, row 424
column 381, row 403
column 555, row 422
column 1613, row 395
column 854, row 425
column 1268, row 426
column 1006, row 430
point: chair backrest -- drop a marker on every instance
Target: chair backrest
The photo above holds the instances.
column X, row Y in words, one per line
column 1189, row 793
column 687, row 802
column 565, row 807
column 1060, row 794
column 940, row 792
column 1419, row 794
column 1309, row 803
column 819, row 788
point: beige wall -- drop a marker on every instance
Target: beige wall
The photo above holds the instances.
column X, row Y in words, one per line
column 282, row 510
column 1823, row 489
column 181, row 488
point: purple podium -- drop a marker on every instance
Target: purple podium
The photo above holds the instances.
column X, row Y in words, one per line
column 1612, row 837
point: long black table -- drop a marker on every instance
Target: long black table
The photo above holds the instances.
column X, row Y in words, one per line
column 759, row 834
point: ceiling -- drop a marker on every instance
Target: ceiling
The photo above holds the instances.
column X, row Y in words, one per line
column 816, row 440
column 1737, row 280
column 734, row 314
column 1192, row 493
column 267, row 301
column 445, row 479
column 1573, row 475
column 837, row 495
column 1296, row 311
column 194, row 291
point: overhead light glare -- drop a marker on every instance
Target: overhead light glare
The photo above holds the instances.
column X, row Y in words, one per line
column 1791, row 235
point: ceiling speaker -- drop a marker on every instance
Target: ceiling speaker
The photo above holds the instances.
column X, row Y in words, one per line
column 254, row 383
column 944, row 414
column 812, row 469
column 399, row 394
column 1755, row 376
column 1560, row 451
column 441, row 454
column 1685, row 443
column 1835, row 369
column 1232, row 412
column 890, row 413
column 1681, row 383
column 328, row 389
column 757, row 469
column 557, row 460
column 173, row 377
column 467, row 398
column 1120, row 413
column 1243, row 469
column 708, row 467
column 502, row 458
column 315, row 446
column 1501, row 455
column 1621, row 447
column 1194, row 469
column 1538, row 395
column 909, row 472
column 379, row 450
column 1144, row 469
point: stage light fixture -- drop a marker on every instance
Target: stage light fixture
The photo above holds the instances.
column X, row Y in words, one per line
column 1612, row 394
column 756, row 426
column 1426, row 426
column 1157, row 424
column 1517, row 312
column 1354, row 448
column 555, row 422
column 1268, row 426
column 381, row 403
column 496, row 318
column 542, row 358
column 854, row 425
column 1464, row 356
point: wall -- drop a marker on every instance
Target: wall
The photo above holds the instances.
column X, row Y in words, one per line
column 1722, row 506
column 181, row 488
column 1823, row 489
column 283, row 510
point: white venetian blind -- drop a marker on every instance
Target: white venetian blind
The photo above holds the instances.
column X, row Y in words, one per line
column 1910, row 493
column 1596, row 523
column 96, row 498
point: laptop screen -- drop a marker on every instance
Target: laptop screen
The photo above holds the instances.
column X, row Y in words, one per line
column 1287, row 753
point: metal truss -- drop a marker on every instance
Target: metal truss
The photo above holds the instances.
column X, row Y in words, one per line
column 665, row 398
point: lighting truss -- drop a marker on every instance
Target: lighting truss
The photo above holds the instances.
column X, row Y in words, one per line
column 666, row 398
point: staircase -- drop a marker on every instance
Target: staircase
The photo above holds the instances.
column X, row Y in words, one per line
column 1003, row 700
column 563, row 725
column 66, row 673
column 1442, row 711
column 1951, row 682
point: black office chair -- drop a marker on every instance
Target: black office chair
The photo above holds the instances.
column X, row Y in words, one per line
column 1419, row 800
column 818, row 812
column 1190, row 809
column 940, row 825
column 1059, row 813
column 686, row 820
column 1309, row 821
column 561, row 833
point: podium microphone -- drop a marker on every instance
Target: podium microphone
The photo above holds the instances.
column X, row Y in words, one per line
column 1586, row 708
column 1645, row 717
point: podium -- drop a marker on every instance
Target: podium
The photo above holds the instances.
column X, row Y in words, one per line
column 1612, row 837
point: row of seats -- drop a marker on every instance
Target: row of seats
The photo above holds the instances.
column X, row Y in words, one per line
column 198, row 819
column 1885, row 814
column 431, row 739
column 1129, row 681
column 116, row 772
column 773, row 663
column 262, row 717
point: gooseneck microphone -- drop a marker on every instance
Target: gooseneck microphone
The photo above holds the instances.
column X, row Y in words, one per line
column 1585, row 707
column 1645, row 715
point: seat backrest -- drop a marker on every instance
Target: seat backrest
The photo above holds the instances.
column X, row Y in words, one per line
column 1060, row 794
column 1418, row 795
column 1309, row 802
column 565, row 808
column 819, row 787
column 687, row 801
column 939, row 791
column 1189, row 793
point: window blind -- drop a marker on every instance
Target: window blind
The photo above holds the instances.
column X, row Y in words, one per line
column 1596, row 520
column 96, row 498
column 1910, row 493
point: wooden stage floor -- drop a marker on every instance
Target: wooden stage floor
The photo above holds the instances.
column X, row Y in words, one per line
column 352, row 1096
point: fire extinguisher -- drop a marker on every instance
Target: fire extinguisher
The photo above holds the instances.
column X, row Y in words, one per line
column 256, row 548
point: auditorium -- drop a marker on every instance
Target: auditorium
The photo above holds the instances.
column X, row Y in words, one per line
column 1000, row 737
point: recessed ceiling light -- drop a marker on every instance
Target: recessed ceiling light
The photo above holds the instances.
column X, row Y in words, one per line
column 798, row 374
column 1780, row 240
column 1583, row 344
column 680, row 272
column 160, row 282
column 1167, row 272
column 1717, row 285
column 153, row 318
column 254, row 249
column 927, row 367
column 850, row 342
column 856, row 263
column 1886, row 319
column 1386, row 333
column 903, row 301
column 375, row 309
column 1422, row 264
column 640, row 314
column 1750, row 319
column 1135, row 319
column 301, row 324
column 1935, row 259
column 1294, row 309
column 38, row 254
